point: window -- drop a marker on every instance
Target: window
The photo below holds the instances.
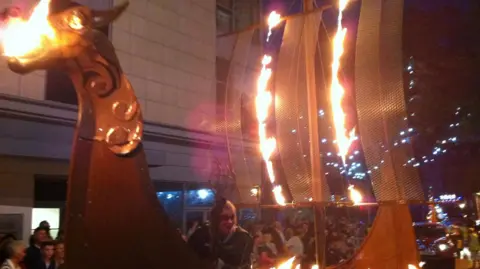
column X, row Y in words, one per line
column 233, row 15
column 59, row 87
column 172, row 202
column 50, row 189
column 224, row 20
column 200, row 198
column 222, row 69
column 51, row 215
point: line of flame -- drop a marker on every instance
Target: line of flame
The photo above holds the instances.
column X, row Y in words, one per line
column 263, row 102
column 343, row 138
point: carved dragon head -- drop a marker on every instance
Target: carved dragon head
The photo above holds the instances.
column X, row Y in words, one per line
column 63, row 35
column 57, row 30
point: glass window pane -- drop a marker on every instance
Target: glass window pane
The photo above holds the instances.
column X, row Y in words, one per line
column 200, row 198
column 172, row 203
column 224, row 20
column 52, row 215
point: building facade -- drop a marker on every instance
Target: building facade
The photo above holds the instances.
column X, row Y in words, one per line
column 168, row 51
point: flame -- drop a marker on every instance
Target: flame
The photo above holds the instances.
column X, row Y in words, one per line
column 355, row 195
column 289, row 265
column 411, row 266
column 337, row 92
column 263, row 102
column 21, row 37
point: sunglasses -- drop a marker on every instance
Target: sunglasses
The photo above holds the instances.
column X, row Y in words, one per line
column 227, row 217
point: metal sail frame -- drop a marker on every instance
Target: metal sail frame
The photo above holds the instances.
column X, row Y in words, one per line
column 393, row 204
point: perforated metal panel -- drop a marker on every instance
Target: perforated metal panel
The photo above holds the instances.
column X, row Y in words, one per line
column 292, row 127
column 380, row 101
column 239, row 81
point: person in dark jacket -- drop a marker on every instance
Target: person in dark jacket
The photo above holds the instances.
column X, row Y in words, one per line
column 223, row 242
column 47, row 250
column 33, row 254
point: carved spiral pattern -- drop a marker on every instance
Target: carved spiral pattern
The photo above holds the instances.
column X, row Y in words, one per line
column 116, row 115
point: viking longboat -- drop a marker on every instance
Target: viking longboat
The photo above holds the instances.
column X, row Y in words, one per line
column 110, row 193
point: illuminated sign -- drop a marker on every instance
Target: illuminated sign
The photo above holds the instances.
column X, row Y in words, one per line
column 448, row 197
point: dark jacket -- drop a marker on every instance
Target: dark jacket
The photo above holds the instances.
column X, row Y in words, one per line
column 33, row 257
column 42, row 265
column 234, row 252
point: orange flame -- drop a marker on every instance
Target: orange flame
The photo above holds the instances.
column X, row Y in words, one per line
column 355, row 196
column 21, row 37
column 263, row 102
column 344, row 139
column 289, row 265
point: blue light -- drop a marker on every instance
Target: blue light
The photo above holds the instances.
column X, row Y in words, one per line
column 202, row 194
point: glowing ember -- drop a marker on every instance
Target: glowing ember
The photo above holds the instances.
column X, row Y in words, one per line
column 263, row 104
column 337, row 92
column 355, row 196
column 34, row 32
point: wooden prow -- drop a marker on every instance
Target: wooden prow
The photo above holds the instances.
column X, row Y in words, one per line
column 113, row 217
column 390, row 243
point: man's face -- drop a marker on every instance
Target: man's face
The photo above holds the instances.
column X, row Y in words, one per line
column 48, row 252
column 41, row 236
column 226, row 220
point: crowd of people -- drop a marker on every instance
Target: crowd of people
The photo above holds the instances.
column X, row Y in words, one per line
column 220, row 242
column 42, row 253
column 266, row 245
column 278, row 241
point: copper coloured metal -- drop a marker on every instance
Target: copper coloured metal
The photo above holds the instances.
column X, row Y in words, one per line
column 113, row 217
column 381, row 102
